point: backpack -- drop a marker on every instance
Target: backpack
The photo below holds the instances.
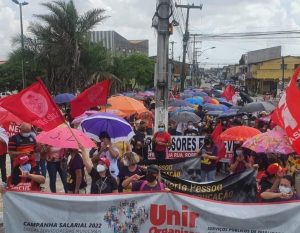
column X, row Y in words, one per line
column 145, row 182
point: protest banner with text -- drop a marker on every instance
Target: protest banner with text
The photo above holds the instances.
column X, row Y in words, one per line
column 154, row 212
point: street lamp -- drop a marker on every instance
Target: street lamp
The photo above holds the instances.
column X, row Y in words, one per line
column 22, row 37
column 202, row 51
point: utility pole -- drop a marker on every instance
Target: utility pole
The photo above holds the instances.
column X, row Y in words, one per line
column 185, row 40
column 161, row 22
column 282, row 67
column 21, row 4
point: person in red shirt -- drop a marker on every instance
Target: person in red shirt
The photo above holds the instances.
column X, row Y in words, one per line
column 23, row 176
column 161, row 141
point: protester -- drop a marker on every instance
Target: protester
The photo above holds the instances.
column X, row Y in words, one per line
column 147, row 117
column 56, row 163
column 173, row 129
column 102, row 180
column 191, row 131
column 23, row 177
column 208, row 160
column 130, row 168
column 239, row 161
column 150, row 182
column 270, row 181
column 75, row 180
column 200, row 112
column 285, row 191
column 161, row 141
column 109, row 151
column 21, row 144
column 138, row 141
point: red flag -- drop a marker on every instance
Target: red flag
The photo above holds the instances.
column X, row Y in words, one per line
column 215, row 135
column 276, row 119
column 35, row 106
column 228, row 93
column 91, row 97
column 287, row 113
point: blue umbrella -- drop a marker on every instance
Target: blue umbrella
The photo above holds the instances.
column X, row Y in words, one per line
column 179, row 103
column 221, row 99
column 185, row 109
column 230, row 113
column 117, row 128
column 200, row 93
column 214, row 113
column 64, row 98
column 194, row 101
column 185, row 96
column 215, row 107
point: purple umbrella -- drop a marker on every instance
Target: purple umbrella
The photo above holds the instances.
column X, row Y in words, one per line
column 117, row 128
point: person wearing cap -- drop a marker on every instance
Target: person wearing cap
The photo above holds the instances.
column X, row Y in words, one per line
column 285, row 191
column 130, row 161
column 150, row 182
column 75, row 169
column 102, row 180
column 271, row 179
column 21, row 144
column 161, row 141
column 23, row 176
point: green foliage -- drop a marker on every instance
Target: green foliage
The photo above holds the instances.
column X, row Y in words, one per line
column 136, row 70
column 60, row 52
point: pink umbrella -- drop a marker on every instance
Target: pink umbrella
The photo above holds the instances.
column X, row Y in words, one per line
column 273, row 141
column 80, row 118
column 62, row 137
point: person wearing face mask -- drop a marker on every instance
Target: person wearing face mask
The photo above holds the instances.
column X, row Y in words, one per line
column 130, row 168
column 102, row 180
column 161, row 141
column 239, row 162
column 21, row 144
column 285, row 191
column 150, row 182
column 23, row 176
column 191, row 131
column 271, row 178
column 110, row 151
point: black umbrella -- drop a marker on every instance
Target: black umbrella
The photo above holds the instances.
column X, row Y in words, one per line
column 245, row 97
column 257, row 107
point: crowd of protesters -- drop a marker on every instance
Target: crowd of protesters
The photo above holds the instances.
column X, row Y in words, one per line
column 114, row 167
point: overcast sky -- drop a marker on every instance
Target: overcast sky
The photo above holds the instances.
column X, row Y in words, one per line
column 132, row 19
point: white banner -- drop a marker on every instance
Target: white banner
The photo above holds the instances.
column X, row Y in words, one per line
column 162, row 212
column 182, row 146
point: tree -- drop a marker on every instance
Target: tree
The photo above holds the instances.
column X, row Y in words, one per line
column 60, row 39
column 138, row 70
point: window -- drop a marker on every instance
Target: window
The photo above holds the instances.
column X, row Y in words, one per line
column 295, row 66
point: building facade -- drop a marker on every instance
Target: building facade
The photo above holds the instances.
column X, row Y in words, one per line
column 267, row 76
column 117, row 44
